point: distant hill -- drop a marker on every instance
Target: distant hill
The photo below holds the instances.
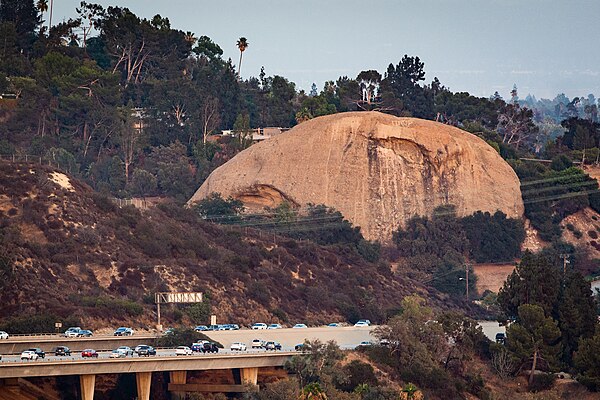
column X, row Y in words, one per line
column 71, row 252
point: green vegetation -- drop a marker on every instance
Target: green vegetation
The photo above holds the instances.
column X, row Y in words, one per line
column 439, row 246
column 555, row 313
column 37, row 323
column 318, row 223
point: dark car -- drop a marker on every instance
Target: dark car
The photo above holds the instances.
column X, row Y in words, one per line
column 145, row 350
column 123, row 331
column 210, row 348
column 89, row 353
column 62, row 351
column 197, row 346
column 500, row 338
column 41, row 353
column 85, row 333
column 300, row 347
column 273, row 346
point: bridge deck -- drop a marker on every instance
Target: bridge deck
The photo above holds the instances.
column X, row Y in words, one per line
column 150, row 364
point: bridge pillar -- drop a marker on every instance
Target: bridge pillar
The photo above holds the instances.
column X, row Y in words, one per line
column 87, row 383
column 249, row 375
column 143, row 381
column 180, row 378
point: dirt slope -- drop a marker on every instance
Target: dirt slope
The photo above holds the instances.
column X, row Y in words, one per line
column 76, row 254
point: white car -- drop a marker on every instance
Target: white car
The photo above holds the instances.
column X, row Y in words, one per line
column 274, row 326
column 3, row 335
column 117, row 354
column 300, row 326
column 73, row 332
column 237, row 346
column 29, row 355
column 363, row 322
column 125, row 350
column 183, row 351
column 257, row 344
column 259, row 325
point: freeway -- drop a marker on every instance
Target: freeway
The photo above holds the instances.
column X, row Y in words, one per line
column 104, row 355
column 346, row 337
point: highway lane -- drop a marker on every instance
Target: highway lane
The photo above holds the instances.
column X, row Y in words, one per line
column 345, row 337
column 105, row 355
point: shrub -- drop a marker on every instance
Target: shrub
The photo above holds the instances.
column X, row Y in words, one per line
column 103, row 202
column 179, row 337
column 37, row 323
column 199, row 313
column 542, row 382
column 357, row 373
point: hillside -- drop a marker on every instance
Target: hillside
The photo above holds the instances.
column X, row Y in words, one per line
column 78, row 255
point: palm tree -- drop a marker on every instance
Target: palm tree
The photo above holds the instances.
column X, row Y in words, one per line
column 42, row 5
column 313, row 391
column 242, row 44
column 190, row 38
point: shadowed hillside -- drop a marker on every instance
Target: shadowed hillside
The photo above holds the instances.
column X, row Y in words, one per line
column 70, row 252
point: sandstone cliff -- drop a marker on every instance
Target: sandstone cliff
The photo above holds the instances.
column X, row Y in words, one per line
column 377, row 169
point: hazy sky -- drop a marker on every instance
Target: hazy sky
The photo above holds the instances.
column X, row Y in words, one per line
column 480, row 46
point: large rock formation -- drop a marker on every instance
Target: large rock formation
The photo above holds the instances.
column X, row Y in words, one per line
column 377, row 169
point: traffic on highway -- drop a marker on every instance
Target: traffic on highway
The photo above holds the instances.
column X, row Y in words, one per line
column 232, row 340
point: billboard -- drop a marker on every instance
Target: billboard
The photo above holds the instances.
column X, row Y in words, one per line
column 182, row 297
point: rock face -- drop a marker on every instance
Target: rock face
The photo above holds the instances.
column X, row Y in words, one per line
column 376, row 169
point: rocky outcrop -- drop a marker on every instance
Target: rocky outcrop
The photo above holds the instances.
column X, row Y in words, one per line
column 377, row 169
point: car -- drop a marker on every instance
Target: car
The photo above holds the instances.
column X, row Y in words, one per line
column 145, row 350
column 234, row 327
column 62, row 351
column 215, row 327
column 117, row 354
column 183, row 351
column 274, row 326
column 333, row 325
column 237, row 346
column 85, row 333
column 210, row 347
column 125, row 350
column 257, row 344
column 201, row 328
column 273, row 346
column 259, row 325
column 29, row 355
column 299, row 326
column 89, row 353
column 41, row 353
column 123, row 331
column 365, row 343
column 500, row 337
column 198, row 346
column 300, row 347
column 169, row 331
column 3, row 335
column 362, row 322
column 72, row 332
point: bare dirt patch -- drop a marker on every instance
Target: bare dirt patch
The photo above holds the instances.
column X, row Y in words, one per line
column 62, row 180
column 491, row 276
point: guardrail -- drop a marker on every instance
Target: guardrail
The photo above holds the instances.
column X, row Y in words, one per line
column 35, row 334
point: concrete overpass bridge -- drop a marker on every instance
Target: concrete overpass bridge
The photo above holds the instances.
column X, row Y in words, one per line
column 245, row 369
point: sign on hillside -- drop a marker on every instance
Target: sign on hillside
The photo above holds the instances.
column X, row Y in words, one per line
column 166, row 297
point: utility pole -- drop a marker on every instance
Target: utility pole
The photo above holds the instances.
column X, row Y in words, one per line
column 467, row 279
column 566, row 261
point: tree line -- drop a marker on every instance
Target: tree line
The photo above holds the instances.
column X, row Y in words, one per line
column 129, row 103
